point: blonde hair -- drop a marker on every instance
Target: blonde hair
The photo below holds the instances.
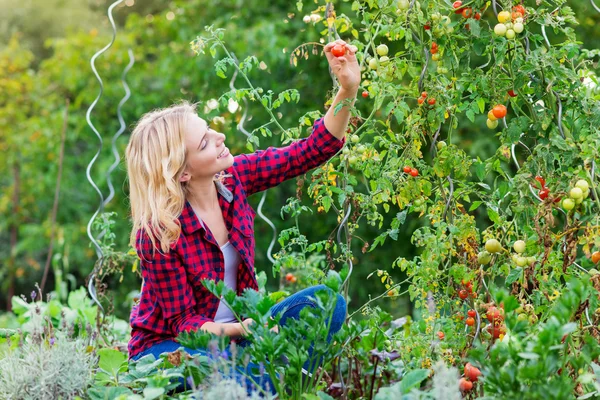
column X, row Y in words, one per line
column 156, row 158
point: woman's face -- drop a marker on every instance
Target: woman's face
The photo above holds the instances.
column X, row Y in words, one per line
column 207, row 154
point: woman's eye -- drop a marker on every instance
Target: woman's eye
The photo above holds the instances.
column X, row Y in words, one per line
column 204, row 142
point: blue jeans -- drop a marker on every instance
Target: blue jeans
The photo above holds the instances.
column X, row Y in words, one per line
column 290, row 308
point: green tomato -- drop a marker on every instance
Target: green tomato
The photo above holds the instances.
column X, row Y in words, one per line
column 382, row 50
column 583, row 185
column 522, row 317
column 492, row 124
column 384, row 60
column 500, row 29
column 493, row 246
column 354, row 138
column 568, row 204
column 521, row 261
column 518, row 27
column 440, row 145
column 510, row 34
column 576, row 193
column 373, row 64
column 519, row 246
column 484, row 258
column 586, row 194
column 403, row 4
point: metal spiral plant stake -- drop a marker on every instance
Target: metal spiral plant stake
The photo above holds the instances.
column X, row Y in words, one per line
column 99, row 253
column 122, row 128
column 240, row 126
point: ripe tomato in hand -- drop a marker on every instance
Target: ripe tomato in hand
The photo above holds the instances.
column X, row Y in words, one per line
column 338, row 50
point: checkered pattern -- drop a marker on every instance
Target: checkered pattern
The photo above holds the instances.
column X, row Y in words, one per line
column 173, row 299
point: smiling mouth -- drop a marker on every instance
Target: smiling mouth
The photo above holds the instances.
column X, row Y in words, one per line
column 224, row 153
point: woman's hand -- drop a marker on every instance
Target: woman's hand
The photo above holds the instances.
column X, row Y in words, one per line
column 246, row 327
column 346, row 67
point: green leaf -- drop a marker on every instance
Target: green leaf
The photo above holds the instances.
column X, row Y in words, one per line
column 151, row 393
column 413, row 379
column 514, row 274
column 112, row 361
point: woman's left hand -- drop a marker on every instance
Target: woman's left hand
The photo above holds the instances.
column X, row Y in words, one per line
column 346, row 67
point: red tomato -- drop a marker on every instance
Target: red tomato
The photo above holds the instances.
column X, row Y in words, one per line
column 365, row 94
column 407, row 169
column 471, row 372
column 512, row 93
column 420, row 100
column 496, row 331
column 467, row 12
column 471, row 313
column 465, row 385
column 470, row 321
column 519, row 9
column 544, row 193
column 499, row 111
column 338, row 50
column 463, row 294
column 414, row 172
column 431, row 101
column 477, row 16
column 495, row 315
column 441, row 335
column 424, row 94
column 427, row 27
column 434, row 48
column 596, row 257
column 289, row 276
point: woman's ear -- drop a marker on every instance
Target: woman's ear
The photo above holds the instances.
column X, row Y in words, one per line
column 185, row 177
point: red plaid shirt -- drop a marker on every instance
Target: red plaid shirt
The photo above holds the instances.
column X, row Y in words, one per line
column 173, row 299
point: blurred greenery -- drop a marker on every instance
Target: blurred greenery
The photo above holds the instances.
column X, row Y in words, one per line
column 45, row 54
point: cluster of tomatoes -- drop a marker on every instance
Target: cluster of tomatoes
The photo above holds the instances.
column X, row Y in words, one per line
column 496, row 113
column 291, row 277
column 411, row 171
column 466, row 12
column 466, row 291
column 472, row 374
column 496, row 326
column 510, row 24
column 423, row 97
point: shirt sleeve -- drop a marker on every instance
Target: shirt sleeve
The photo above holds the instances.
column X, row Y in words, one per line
column 264, row 169
column 166, row 280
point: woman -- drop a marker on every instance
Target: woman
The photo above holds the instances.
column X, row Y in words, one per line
column 192, row 221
